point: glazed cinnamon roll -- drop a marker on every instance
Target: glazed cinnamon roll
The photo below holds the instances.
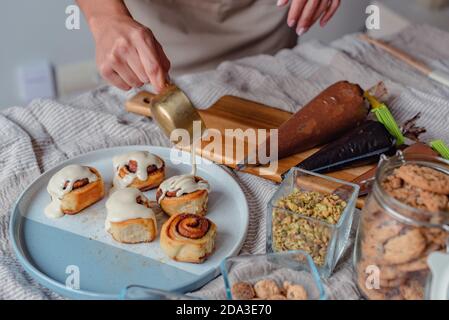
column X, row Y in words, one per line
column 188, row 238
column 140, row 169
column 73, row 189
column 130, row 218
column 183, row 194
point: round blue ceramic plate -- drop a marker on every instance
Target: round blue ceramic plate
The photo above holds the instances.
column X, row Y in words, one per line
column 77, row 258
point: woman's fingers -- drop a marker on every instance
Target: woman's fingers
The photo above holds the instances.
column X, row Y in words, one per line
column 149, row 57
column 163, row 58
column 324, row 5
column 128, row 55
column 282, row 3
column 330, row 12
column 306, row 19
column 295, row 12
column 127, row 75
column 162, row 75
column 113, row 78
column 136, row 66
column 305, row 13
column 119, row 63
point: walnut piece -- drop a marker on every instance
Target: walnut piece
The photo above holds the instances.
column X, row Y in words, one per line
column 266, row 288
column 295, row 291
column 242, row 291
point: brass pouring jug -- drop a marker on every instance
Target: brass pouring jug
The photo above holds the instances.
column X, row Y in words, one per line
column 171, row 109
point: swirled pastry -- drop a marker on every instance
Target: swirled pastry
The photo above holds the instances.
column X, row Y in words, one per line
column 72, row 189
column 139, row 169
column 129, row 217
column 188, row 238
column 183, row 194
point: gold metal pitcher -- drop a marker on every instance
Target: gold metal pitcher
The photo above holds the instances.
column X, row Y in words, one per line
column 171, row 109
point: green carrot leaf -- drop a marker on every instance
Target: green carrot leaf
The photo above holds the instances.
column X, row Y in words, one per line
column 440, row 147
column 385, row 117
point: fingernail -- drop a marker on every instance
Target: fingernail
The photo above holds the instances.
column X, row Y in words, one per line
column 291, row 23
column 301, row 31
column 282, row 3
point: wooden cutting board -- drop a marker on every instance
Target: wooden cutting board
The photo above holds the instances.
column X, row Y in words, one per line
column 235, row 113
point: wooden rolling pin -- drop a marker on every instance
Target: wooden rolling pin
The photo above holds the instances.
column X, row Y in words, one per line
column 436, row 75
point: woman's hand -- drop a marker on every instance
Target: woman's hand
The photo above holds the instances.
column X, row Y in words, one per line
column 304, row 13
column 127, row 53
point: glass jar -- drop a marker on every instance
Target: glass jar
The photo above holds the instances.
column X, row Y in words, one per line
column 394, row 240
column 325, row 240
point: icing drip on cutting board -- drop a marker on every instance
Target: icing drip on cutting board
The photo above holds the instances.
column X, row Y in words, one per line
column 122, row 205
column 57, row 187
column 144, row 159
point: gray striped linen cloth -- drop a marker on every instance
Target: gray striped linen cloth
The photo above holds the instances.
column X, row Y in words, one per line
column 35, row 138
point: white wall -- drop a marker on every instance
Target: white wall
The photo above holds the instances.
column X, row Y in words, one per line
column 418, row 12
column 33, row 30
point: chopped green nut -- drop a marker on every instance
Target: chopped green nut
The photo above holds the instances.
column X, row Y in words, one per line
column 296, row 232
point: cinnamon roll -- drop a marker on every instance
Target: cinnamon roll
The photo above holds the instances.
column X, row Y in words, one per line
column 130, row 218
column 139, row 169
column 73, row 189
column 188, row 238
column 183, row 194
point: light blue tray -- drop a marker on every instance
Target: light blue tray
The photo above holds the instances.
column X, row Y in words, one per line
column 48, row 249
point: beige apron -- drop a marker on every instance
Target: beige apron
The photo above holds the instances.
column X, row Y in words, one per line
column 199, row 34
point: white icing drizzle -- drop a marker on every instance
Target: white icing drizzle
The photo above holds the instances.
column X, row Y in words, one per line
column 144, row 159
column 122, row 206
column 193, row 160
column 55, row 188
column 183, row 184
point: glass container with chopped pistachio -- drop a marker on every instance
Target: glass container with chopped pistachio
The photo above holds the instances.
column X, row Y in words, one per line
column 313, row 213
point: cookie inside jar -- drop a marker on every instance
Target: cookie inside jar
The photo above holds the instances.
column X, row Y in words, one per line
column 405, row 219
